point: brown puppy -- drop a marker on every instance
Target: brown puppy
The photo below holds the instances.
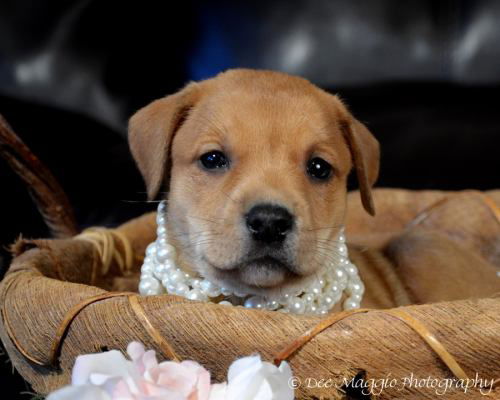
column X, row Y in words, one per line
column 255, row 164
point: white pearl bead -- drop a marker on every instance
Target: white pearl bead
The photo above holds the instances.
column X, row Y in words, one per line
column 351, row 270
column 311, row 308
column 340, row 277
column 323, row 310
column 215, row 292
column 196, row 283
column 162, row 207
column 240, row 294
column 284, row 298
column 296, row 305
column 255, row 302
column 350, row 304
column 356, row 297
column 147, row 268
column 154, row 292
column 334, row 289
column 341, row 238
column 160, row 238
column 355, row 286
column 171, row 287
column 326, row 301
column 344, row 261
column 342, row 249
column 170, row 265
column 315, row 289
column 181, row 289
column 308, row 298
column 176, row 277
column 165, row 253
column 225, row 303
column 161, row 231
column 144, row 286
column 196, row 294
column 284, row 310
column 151, row 250
column 149, row 286
column 147, row 275
column 149, row 260
column 160, row 219
column 162, row 270
column 272, row 305
column 226, row 291
column 209, row 288
column 206, row 286
column 162, row 241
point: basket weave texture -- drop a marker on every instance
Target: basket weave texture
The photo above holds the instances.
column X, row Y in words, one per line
column 58, row 301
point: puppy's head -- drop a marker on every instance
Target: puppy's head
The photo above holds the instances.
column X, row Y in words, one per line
column 255, row 164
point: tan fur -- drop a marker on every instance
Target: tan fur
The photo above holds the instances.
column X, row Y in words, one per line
column 270, row 124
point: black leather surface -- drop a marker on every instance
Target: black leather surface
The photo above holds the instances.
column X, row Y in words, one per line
column 104, row 59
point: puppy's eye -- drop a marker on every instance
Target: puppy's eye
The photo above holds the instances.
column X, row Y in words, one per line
column 214, row 160
column 318, row 168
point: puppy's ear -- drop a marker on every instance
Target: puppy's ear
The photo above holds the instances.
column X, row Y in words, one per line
column 150, row 134
column 365, row 154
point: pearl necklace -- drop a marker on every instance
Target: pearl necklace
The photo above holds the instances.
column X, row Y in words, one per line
column 160, row 274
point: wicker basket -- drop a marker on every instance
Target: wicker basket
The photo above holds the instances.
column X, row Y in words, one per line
column 62, row 298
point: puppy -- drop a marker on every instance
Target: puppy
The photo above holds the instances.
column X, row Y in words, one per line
column 255, row 164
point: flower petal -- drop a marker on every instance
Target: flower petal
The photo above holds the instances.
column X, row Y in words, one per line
column 218, row 391
column 244, row 364
column 110, row 363
column 82, row 392
column 265, row 392
column 175, row 376
column 279, row 384
column 202, row 384
column 149, row 359
column 282, row 386
column 135, row 350
column 244, row 378
column 250, row 378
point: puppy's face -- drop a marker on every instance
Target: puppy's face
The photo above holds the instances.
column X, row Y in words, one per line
column 258, row 163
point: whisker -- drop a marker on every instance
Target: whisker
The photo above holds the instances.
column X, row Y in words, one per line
column 322, row 227
column 195, row 234
column 230, row 198
column 205, row 219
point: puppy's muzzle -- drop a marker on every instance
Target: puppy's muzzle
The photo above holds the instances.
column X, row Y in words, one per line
column 269, row 224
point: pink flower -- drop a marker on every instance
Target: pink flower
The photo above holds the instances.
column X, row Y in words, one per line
column 110, row 376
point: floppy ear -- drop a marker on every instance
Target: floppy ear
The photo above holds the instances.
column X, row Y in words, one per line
column 365, row 153
column 150, row 134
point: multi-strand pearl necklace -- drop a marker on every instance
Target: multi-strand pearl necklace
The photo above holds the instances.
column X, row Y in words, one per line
column 337, row 280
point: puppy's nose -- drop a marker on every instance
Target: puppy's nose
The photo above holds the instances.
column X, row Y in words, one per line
column 269, row 223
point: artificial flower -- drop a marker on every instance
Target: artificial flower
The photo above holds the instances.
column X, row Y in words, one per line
column 111, row 376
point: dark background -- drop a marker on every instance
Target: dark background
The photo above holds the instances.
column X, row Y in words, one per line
column 423, row 75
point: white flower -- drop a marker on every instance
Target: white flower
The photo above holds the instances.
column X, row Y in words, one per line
column 250, row 378
column 110, row 376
